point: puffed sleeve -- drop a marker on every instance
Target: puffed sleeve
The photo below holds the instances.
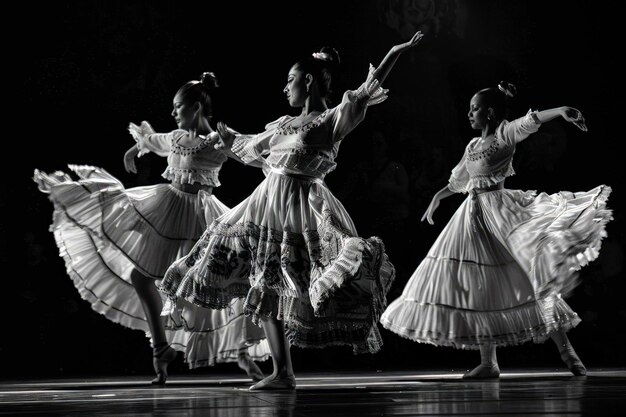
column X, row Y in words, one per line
column 517, row 130
column 351, row 111
column 150, row 141
column 253, row 147
column 459, row 179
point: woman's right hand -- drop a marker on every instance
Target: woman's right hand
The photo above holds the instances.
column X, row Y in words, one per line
column 417, row 37
column 428, row 215
column 226, row 137
column 129, row 159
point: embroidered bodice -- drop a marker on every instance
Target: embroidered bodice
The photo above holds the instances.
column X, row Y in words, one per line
column 309, row 149
column 185, row 165
column 482, row 168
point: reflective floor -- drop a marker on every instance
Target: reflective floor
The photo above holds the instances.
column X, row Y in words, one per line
column 601, row 393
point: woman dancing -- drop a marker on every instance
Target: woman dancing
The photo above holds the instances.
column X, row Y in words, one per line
column 496, row 274
column 117, row 242
column 291, row 249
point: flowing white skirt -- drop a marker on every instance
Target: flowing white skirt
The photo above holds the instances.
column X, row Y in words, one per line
column 104, row 231
column 291, row 250
column 498, row 270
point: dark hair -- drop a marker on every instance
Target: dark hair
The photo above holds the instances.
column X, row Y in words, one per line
column 498, row 98
column 200, row 91
column 322, row 66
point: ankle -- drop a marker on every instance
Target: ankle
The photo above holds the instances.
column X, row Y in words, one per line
column 160, row 348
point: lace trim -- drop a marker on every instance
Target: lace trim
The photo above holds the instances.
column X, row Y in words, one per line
column 190, row 176
column 243, row 147
column 476, row 155
column 283, row 129
column 480, row 180
column 184, row 150
column 490, row 179
column 371, row 90
column 320, row 264
column 536, row 334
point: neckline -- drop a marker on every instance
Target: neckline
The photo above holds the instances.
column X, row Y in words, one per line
column 203, row 140
column 287, row 128
column 188, row 150
column 491, row 144
column 303, row 124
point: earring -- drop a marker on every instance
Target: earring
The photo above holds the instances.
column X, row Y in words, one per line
column 307, row 88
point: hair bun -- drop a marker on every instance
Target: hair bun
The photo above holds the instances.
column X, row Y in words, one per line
column 328, row 54
column 507, row 88
column 209, row 80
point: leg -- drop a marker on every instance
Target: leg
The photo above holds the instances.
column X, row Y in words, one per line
column 150, row 299
column 282, row 377
column 488, row 367
column 246, row 363
column 568, row 354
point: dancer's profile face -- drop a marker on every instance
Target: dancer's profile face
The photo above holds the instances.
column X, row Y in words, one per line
column 478, row 113
column 296, row 87
column 183, row 113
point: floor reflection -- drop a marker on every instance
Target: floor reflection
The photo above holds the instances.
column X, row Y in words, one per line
column 601, row 393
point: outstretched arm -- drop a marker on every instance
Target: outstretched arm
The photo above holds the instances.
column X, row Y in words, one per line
column 570, row 114
column 225, row 143
column 392, row 56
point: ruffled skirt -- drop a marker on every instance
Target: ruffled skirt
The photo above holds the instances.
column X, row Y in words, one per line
column 292, row 252
column 104, row 231
column 498, row 270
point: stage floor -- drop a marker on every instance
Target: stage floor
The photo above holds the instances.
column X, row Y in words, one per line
column 601, row 393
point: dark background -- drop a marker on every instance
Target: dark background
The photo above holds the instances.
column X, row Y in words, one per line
column 88, row 68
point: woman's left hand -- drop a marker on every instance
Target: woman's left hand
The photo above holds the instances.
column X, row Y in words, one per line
column 574, row 116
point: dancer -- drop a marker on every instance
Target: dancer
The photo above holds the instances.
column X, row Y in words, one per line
column 117, row 242
column 496, row 274
column 290, row 248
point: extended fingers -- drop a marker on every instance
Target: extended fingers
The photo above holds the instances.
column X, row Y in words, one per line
column 417, row 37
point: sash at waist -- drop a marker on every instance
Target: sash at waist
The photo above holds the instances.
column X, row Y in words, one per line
column 301, row 177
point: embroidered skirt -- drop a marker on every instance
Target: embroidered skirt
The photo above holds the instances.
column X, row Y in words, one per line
column 292, row 252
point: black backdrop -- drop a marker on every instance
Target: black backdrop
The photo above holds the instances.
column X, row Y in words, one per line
column 90, row 67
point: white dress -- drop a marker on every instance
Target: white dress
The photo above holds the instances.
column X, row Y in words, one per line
column 104, row 231
column 290, row 249
column 498, row 271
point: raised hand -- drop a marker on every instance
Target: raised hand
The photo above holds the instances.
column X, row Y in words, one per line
column 417, row 37
column 226, row 136
column 574, row 116
column 134, row 130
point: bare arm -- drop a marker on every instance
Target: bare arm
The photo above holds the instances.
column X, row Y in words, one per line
column 570, row 114
column 392, row 56
column 129, row 159
column 434, row 203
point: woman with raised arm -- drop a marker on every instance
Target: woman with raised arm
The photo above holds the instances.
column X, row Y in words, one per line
column 497, row 273
column 290, row 249
column 118, row 242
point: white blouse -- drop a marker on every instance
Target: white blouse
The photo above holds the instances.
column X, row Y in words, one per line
column 490, row 166
column 185, row 165
column 309, row 149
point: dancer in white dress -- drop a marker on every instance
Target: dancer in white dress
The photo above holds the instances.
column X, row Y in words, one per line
column 497, row 273
column 291, row 249
column 117, row 242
